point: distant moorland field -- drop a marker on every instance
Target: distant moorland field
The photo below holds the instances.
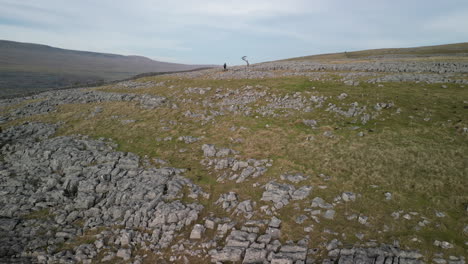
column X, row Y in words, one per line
column 28, row 68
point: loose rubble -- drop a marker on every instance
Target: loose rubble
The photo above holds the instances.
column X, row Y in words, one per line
column 49, row 184
column 231, row 168
column 48, row 101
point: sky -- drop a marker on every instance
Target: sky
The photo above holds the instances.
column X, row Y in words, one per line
column 219, row 31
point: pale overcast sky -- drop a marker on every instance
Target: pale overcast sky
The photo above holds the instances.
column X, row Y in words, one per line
column 218, row 31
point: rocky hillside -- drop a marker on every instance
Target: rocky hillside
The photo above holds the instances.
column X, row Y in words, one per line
column 306, row 161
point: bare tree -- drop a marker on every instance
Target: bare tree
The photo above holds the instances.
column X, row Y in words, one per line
column 245, row 59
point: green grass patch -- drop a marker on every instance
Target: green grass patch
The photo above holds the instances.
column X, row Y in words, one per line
column 414, row 150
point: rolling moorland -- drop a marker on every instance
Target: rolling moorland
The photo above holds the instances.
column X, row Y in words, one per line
column 356, row 157
column 31, row 68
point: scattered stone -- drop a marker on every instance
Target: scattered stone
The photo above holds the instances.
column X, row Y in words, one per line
column 209, row 150
column 351, row 83
column 197, row 231
column 245, row 207
column 227, row 254
column 439, row 261
column 278, row 193
column 407, row 216
column 295, row 178
column 274, row 222
column 255, row 255
column 301, row 193
column 440, row 214
column 228, row 201
column 362, row 219
column 152, row 102
column 127, row 121
column 124, row 253
column 188, row 139
column 329, row 214
column 388, row 196
column 210, row 224
column 310, row 123
column 319, row 202
column 348, row 196
column 446, row 245
column 328, row 134
column 342, row 96
column 301, row 218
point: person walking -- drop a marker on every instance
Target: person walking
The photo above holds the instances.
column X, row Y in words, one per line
column 225, row 67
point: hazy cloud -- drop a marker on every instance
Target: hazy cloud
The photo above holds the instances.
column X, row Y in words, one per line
column 456, row 21
column 215, row 31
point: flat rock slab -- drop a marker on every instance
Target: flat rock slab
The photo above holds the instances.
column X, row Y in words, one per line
column 8, row 224
column 253, row 255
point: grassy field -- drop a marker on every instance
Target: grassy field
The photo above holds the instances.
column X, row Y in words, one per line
column 416, row 150
column 450, row 50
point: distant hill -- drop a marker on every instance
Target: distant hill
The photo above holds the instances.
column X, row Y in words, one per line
column 26, row 67
column 457, row 49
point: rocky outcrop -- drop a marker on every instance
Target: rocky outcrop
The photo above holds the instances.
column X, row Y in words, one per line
column 280, row 194
column 48, row 101
column 350, row 71
column 57, row 188
column 230, row 167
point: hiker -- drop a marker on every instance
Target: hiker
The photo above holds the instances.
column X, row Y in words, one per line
column 225, row 67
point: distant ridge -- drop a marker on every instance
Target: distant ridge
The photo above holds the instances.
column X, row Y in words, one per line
column 423, row 51
column 28, row 67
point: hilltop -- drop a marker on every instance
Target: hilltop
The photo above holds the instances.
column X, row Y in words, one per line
column 454, row 50
column 330, row 160
column 28, row 67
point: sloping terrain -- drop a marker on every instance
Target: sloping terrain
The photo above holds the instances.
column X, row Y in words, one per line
column 312, row 161
column 26, row 67
column 456, row 50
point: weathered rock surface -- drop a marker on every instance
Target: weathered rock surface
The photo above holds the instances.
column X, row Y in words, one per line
column 49, row 184
column 231, row 168
column 280, row 194
column 48, row 101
